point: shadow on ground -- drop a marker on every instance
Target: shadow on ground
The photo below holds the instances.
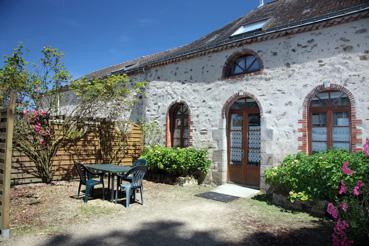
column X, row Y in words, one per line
column 175, row 233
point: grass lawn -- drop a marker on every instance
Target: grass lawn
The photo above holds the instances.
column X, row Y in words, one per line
column 171, row 215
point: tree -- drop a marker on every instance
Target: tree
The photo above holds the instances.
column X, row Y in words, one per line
column 43, row 126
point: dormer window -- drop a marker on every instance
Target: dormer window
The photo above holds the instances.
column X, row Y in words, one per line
column 242, row 64
column 253, row 27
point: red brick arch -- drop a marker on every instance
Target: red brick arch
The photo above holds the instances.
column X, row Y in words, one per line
column 231, row 59
column 304, row 122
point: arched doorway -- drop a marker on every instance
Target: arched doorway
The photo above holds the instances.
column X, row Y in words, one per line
column 243, row 138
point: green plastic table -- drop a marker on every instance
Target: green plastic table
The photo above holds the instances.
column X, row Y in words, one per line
column 112, row 170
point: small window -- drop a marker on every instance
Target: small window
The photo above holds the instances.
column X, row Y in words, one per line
column 242, row 65
column 253, row 27
column 179, row 125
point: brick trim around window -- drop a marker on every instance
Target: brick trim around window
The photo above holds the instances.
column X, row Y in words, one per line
column 303, row 139
column 168, row 140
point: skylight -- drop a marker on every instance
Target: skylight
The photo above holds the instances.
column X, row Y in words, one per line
column 256, row 26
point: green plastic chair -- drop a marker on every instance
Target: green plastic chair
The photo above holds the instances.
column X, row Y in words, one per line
column 138, row 162
column 137, row 173
column 85, row 178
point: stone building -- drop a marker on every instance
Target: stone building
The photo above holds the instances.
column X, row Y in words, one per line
column 289, row 76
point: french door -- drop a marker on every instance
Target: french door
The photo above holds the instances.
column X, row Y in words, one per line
column 244, row 146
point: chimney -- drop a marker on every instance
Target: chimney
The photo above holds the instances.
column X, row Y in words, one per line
column 261, row 3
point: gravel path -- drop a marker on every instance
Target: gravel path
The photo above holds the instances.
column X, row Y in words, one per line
column 173, row 215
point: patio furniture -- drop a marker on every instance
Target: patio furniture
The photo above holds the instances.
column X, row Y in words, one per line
column 86, row 178
column 138, row 173
column 112, row 170
column 138, row 162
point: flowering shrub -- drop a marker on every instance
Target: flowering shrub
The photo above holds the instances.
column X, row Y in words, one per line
column 351, row 213
column 38, row 120
column 315, row 177
column 336, row 176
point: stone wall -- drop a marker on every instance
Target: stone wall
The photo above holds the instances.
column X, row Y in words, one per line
column 293, row 66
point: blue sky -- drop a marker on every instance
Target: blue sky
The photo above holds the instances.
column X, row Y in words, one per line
column 95, row 34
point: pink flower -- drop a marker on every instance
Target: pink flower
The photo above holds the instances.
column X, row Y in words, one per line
column 332, row 210
column 366, row 148
column 38, row 127
column 356, row 190
column 340, row 227
column 360, row 183
column 344, row 206
column 43, row 112
column 339, row 236
column 345, row 169
column 42, row 141
column 343, row 188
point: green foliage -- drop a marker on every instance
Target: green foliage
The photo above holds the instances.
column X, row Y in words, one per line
column 113, row 94
column 152, row 133
column 316, row 177
column 13, row 76
column 177, row 161
column 39, row 89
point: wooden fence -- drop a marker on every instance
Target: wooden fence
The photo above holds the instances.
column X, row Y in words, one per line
column 6, row 140
column 91, row 149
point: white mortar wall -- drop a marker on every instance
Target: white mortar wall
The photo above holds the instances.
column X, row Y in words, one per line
column 293, row 67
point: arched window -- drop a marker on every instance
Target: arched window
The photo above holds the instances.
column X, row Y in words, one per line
column 179, row 123
column 329, row 121
column 242, row 64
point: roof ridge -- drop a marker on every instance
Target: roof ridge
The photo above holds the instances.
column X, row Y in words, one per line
column 283, row 13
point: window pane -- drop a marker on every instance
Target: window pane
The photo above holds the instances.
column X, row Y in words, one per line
column 236, row 139
column 319, row 146
column 176, row 142
column 239, row 104
column 344, row 146
column 236, row 156
column 341, row 119
column 178, row 123
column 177, row 134
column 237, row 70
column 339, row 98
column 323, row 95
column 246, row 64
column 254, row 67
column 319, row 119
column 315, row 102
column 236, row 122
column 254, row 120
column 254, row 155
column 319, row 133
column 341, row 134
column 241, row 63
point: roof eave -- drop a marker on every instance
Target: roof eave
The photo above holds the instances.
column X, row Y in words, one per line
column 250, row 37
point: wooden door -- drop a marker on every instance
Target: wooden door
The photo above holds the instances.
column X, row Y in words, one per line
column 244, row 146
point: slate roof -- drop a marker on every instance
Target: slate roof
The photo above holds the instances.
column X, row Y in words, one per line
column 281, row 13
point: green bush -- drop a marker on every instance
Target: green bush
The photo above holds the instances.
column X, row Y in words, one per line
column 316, row 177
column 177, row 162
